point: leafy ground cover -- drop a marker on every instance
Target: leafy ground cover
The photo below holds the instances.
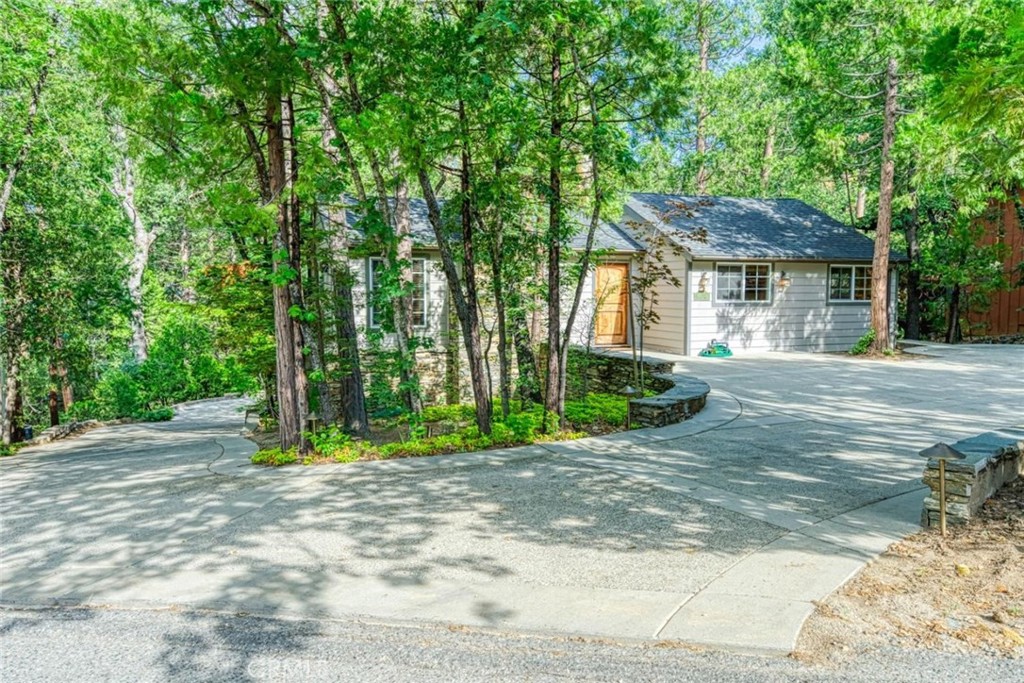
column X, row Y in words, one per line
column 450, row 429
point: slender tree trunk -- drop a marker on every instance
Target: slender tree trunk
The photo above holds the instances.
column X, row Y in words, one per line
column 526, row 361
column 478, row 376
column 913, row 280
column 504, row 361
column 142, row 240
column 880, row 264
column 15, row 349
column 465, row 307
column 554, row 239
column 452, row 388
column 862, row 200
column 19, row 159
column 353, row 394
column 61, row 371
column 595, row 219
column 289, row 366
column 401, row 261
column 953, row 332
column 767, row 158
column 704, row 41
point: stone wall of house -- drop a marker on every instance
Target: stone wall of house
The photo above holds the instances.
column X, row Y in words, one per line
column 993, row 460
column 607, row 374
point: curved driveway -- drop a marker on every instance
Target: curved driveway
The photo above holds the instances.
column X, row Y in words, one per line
column 720, row 531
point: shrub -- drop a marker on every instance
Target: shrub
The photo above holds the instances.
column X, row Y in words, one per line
column 81, row 410
column 118, row 395
column 274, row 457
column 863, row 344
column 155, row 415
column 330, row 442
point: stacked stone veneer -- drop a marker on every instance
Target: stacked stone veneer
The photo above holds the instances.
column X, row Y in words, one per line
column 993, row 460
column 682, row 397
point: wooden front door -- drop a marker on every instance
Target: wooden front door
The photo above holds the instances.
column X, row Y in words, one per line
column 611, row 291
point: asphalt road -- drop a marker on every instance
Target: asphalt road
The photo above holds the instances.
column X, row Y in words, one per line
column 139, row 646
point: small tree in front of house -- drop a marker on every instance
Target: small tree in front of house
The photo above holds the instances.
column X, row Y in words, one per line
column 653, row 270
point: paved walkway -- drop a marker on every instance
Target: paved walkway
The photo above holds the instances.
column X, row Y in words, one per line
column 720, row 531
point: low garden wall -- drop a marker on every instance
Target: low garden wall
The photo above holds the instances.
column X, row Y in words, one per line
column 681, row 396
column 994, row 459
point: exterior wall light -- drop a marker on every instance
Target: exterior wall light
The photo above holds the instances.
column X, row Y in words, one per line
column 702, row 284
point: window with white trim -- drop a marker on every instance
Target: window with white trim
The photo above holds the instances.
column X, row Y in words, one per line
column 743, row 282
column 849, row 283
column 378, row 308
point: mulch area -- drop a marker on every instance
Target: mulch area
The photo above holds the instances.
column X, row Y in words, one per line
column 963, row 593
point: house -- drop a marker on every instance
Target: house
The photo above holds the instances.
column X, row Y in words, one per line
column 772, row 274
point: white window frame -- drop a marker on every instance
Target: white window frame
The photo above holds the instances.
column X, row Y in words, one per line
column 852, row 298
column 372, row 323
column 743, row 284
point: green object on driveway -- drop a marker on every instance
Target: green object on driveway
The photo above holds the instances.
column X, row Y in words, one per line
column 716, row 349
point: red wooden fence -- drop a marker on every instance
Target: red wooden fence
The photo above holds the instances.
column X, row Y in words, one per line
column 1006, row 314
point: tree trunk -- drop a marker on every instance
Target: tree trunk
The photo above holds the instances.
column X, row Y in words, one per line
column 302, row 333
column 767, row 158
column 466, row 303
column 526, row 361
column 862, row 200
column 289, row 366
column 61, row 371
column 15, row 348
column 880, row 264
column 353, row 394
column 913, row 280
column 26, row 143
column 704, row 41
column 478, row 376
column 595, row 220
column 504, row 362
column 452, row 388
column 553, row 382
column 953, row 332
column 142, row 240
column 401, row 261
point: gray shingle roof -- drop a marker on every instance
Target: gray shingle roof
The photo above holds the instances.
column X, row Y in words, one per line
column 738, row 228
column 779, row 229
column 607, row 237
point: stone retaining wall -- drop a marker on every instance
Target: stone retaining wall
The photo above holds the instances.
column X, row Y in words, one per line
column 994, row 459
column 606, row 374
column 682, row 397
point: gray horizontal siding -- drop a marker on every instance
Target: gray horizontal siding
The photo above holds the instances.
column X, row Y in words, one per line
column 799, row 317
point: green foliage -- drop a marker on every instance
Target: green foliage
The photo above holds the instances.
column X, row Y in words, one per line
column 180, row 367
column 275, row 457
column 330, row 442
column 155, row 415
column 597, row 409
column 119, row 393
column 863, row 344
column 598, row 412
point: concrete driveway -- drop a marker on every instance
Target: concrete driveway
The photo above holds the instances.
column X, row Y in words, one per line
column 720, row 531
